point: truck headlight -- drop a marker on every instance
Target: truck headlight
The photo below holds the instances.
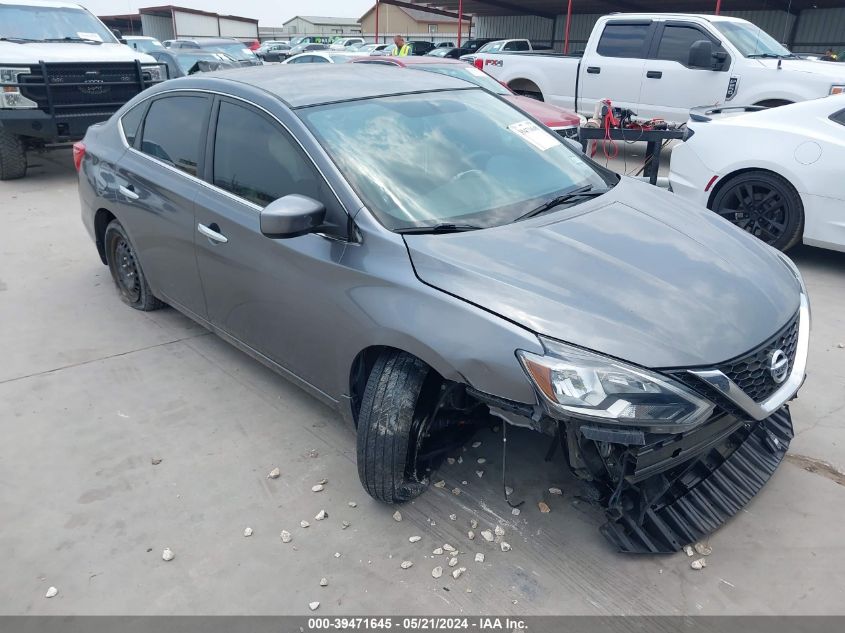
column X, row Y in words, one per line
column 586, row 385
column 153, row 73
column 837, row 89
column 10, row 96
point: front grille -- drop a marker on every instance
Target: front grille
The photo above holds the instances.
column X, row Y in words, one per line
column 751, row 371
column 72, row 88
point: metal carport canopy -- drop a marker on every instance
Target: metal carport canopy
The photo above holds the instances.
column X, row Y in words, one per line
column 552, row 8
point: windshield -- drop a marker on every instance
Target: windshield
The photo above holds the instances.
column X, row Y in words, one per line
column 187, row 61
column 460, row 156
column 468, row 73
column 492, row 47
column 751, row 40
column 51, row 23
column 146, row 46
column 235, row 50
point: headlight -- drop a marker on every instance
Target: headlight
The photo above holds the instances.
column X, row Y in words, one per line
column 154, row 73
column 837, row 89
column 586, row 385
column 10, row 96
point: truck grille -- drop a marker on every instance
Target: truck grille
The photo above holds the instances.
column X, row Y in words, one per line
column 74, row 88
column 751, row 371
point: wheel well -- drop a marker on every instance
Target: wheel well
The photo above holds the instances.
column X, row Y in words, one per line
column 360, row 370
column 527, row 88
column 773, row 103
column 101, row 220
column 726, row 179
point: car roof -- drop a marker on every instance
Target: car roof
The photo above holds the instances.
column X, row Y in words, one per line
column 299, row 85
column 209, row 40
column 426, row 60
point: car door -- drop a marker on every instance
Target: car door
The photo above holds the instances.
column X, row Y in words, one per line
column 670, row 87
column 273, row 295
column 614, row 69
column 156, row 182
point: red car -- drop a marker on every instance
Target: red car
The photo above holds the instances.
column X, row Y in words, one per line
column 564, row 122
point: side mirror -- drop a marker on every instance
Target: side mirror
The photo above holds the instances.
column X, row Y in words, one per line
column 118, row 34
column 701, row 54
column 292, row 216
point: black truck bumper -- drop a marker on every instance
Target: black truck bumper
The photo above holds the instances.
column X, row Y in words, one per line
column 50, row 129
column 667, row 502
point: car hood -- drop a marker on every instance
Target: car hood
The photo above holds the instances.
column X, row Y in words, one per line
column 33, row 52
column 637, row 274
column 552, row 116
column 830, row 70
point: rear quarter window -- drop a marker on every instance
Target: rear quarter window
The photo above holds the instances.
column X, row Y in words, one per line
column 131, row 122
column 838, row 117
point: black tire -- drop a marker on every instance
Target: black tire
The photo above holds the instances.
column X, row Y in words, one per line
column 12, row 156
column 126, row 270
column 763, row 204
column 396, row 401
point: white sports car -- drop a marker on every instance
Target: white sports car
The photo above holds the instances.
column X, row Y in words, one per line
column 777, row 173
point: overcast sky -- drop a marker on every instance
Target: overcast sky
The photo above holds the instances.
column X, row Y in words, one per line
column 268, row 12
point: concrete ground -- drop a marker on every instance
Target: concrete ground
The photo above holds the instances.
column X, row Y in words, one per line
column 91, row 391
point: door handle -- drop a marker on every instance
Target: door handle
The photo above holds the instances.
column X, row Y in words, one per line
column 212, row 233
column 593, row 70
column 654, row 74
column 128, row 191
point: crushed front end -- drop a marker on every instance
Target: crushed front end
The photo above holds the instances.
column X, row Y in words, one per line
column 670, row 454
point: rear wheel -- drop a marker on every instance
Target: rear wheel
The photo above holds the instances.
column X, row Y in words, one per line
column 126, row 270
column 763, row 204
column 12, row 156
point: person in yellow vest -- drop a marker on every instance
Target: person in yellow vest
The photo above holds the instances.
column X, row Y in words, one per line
column 400, row 48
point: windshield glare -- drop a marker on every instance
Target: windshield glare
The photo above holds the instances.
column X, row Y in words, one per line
column 237, row 51
column 750, row 39
column 470, row 74
column 460, row 156
column 51, row 23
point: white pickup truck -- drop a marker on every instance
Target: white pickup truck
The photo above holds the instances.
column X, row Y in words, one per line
column 61, row 70
column 661, row 65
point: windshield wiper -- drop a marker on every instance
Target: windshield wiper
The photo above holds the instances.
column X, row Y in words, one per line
column 587, row 191
column 71, row 39
column 771, row 56
column 18, row 40
column 443, row 227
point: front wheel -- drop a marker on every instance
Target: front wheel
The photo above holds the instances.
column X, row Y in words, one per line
column 763, row 204
column 394, row 425
column 12, row 156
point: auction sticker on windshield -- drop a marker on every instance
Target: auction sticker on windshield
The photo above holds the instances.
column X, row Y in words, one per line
column 89, row 36
column 535, row 135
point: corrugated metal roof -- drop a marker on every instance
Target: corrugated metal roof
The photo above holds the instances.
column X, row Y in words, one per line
column 318, row 19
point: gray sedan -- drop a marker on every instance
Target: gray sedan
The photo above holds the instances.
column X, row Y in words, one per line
column 310, row 219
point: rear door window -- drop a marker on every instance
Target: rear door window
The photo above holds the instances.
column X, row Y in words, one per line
column 624, row 40
column 173, row 131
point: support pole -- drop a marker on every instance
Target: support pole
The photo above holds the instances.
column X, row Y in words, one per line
column 718, row 6
column 569, row 23
column 378, row 10
column 460, row 20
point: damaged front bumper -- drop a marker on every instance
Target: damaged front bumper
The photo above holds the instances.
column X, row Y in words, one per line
column 677, row 491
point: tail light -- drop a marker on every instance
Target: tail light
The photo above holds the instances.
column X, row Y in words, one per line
column 479, row 63
column 78, row 154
